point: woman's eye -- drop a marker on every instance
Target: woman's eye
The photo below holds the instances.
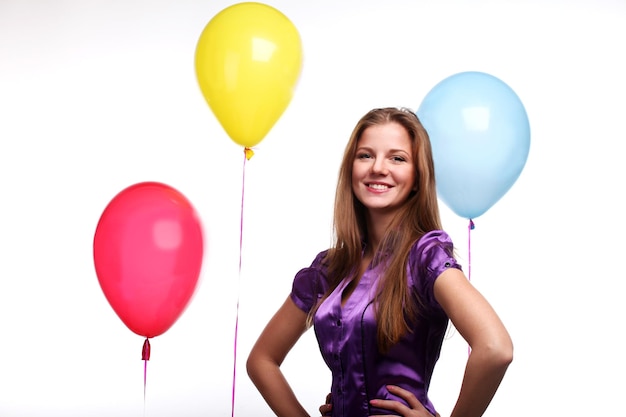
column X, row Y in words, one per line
column 363, row 155
column 398, row 159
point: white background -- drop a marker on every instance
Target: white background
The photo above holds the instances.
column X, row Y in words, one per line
column 98, row 95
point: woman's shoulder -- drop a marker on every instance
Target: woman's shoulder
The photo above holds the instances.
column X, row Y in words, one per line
column 434, row 237
column 320, row 260
column 433, row 253
column 317, row 269
column 429, row 243
column 310, row 283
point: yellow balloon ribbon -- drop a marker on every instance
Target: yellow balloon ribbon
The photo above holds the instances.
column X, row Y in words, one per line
column 248, row 60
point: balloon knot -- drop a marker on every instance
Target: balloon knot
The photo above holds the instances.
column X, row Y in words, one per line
column 471, row 224
column 145, row 352
column 249, row 153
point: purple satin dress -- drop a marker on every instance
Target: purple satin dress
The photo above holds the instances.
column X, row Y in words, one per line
column 347, row 335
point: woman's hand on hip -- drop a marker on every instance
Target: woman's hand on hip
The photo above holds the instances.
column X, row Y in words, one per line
column 327, row 408
column 414, row 409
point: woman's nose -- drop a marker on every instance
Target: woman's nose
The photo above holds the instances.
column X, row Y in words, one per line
column 379, row 166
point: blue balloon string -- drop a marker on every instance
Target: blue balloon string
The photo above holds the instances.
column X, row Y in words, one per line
column 470, row 227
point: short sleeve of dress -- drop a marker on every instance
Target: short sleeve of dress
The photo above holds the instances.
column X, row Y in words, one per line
column 309, row 284
column 429, row 257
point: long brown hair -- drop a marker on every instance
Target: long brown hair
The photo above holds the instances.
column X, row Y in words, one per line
column 395, row 308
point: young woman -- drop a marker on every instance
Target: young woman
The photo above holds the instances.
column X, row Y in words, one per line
column 380, row 299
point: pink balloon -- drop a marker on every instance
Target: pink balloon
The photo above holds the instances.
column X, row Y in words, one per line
column 148, row 250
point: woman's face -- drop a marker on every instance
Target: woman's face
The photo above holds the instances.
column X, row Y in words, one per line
column 383, row 173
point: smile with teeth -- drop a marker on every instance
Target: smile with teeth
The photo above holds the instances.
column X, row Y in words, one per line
column 378, row 186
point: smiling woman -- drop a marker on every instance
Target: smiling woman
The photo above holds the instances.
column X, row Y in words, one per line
column 383, row 174
column 380, row 299
column 96, row 95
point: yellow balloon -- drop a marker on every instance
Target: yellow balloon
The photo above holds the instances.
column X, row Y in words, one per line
column 248, row 61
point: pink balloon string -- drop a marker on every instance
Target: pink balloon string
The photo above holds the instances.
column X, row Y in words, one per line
column 248, row 153
column 145, row 357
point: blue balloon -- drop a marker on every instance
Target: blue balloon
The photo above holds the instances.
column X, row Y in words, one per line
column 480, row 137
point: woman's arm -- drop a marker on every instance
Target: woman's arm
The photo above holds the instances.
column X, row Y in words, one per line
column 490, row 343
column 268, row 353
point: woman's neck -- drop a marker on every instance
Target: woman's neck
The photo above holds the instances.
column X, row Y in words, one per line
column 377, row 226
